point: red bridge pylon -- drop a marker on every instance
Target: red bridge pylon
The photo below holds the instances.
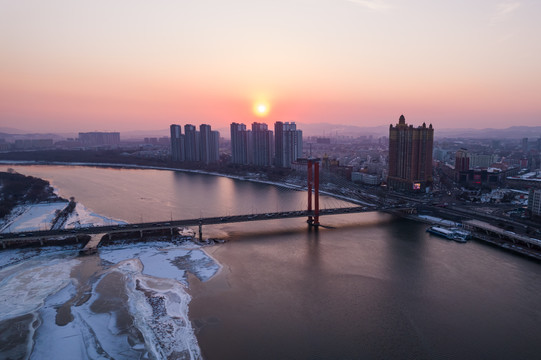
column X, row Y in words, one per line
column 313, row 182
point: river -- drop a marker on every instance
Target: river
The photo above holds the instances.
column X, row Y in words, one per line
column 365, row 286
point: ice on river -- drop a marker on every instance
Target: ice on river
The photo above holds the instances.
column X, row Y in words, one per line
column 142, row 313
column 23, row 289
column 83, row 217
column 163, row 260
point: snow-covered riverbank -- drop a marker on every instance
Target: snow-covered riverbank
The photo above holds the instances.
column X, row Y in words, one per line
column 33, row 217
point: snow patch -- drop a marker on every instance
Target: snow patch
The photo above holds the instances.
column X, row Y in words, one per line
column 32, row 285
column 88, row 336
column 32, row 217
column 162, row 260
column 83, row 217
column 160, row 311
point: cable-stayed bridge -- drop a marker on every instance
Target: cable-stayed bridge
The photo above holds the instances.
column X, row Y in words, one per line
column 312, row 213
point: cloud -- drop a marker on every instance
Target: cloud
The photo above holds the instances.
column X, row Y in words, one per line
column 376, row 5
column 503, row 10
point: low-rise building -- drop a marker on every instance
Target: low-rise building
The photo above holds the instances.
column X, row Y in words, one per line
column 534, row 203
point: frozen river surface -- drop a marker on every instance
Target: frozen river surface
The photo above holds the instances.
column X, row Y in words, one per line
column 127, row 302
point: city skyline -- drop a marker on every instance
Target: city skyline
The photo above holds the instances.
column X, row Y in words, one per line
column 94, row 66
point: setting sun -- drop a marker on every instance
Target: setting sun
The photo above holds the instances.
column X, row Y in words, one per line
column 261, row 109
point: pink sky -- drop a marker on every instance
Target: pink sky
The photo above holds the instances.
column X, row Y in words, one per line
column 135, row 65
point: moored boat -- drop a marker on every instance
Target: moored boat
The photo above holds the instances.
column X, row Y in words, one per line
column 456, row 234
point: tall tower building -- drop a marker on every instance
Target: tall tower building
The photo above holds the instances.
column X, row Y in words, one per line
column 462, row 164
column 462, row 160
column 177, row 143
column 191, row 143
column 288, row 143
column 208, row 144
column 262, row 144
column 239, row 144
column 525, row 145
column 205, row 143
column 214, row 156
column 410, row 156
column 279, row 144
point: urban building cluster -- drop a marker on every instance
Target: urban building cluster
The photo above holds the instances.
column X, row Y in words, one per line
column 195, row 146
column 361, row 159
column 485, row 170
column 260, row 147
column 84, row 140
column 489, row 166
column 98, row 138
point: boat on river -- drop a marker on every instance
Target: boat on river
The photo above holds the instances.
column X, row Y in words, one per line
column 456, row 234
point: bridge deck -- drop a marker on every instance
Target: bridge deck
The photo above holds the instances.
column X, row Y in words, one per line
column 6, row 238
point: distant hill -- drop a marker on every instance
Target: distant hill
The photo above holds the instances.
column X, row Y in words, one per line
column 11, row 137
column 319, row 129
column 8, row 130
column 513, row 132
column 141, row 134
column 333, row 130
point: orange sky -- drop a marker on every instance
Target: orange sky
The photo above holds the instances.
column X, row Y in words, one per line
column 133, row 65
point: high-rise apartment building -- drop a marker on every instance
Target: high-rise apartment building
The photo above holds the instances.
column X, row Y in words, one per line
column 279, row 143
column 195, row 145
column 239, row 144
column 208, row 144
column 191, row 143
column 410, row 156
column 214, row 147
column 204, row 134
column 525, row 145
column 262, row 141
column 288, row 143
column 177, row 143
column 462, row 160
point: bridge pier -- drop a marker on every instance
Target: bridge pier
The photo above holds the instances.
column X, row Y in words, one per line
column 200, row 231
column 141, row 234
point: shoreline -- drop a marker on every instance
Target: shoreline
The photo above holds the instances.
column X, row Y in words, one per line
column 149, row 167
column 203, row 172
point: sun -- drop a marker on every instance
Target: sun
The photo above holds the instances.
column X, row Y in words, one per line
column 261, row 109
